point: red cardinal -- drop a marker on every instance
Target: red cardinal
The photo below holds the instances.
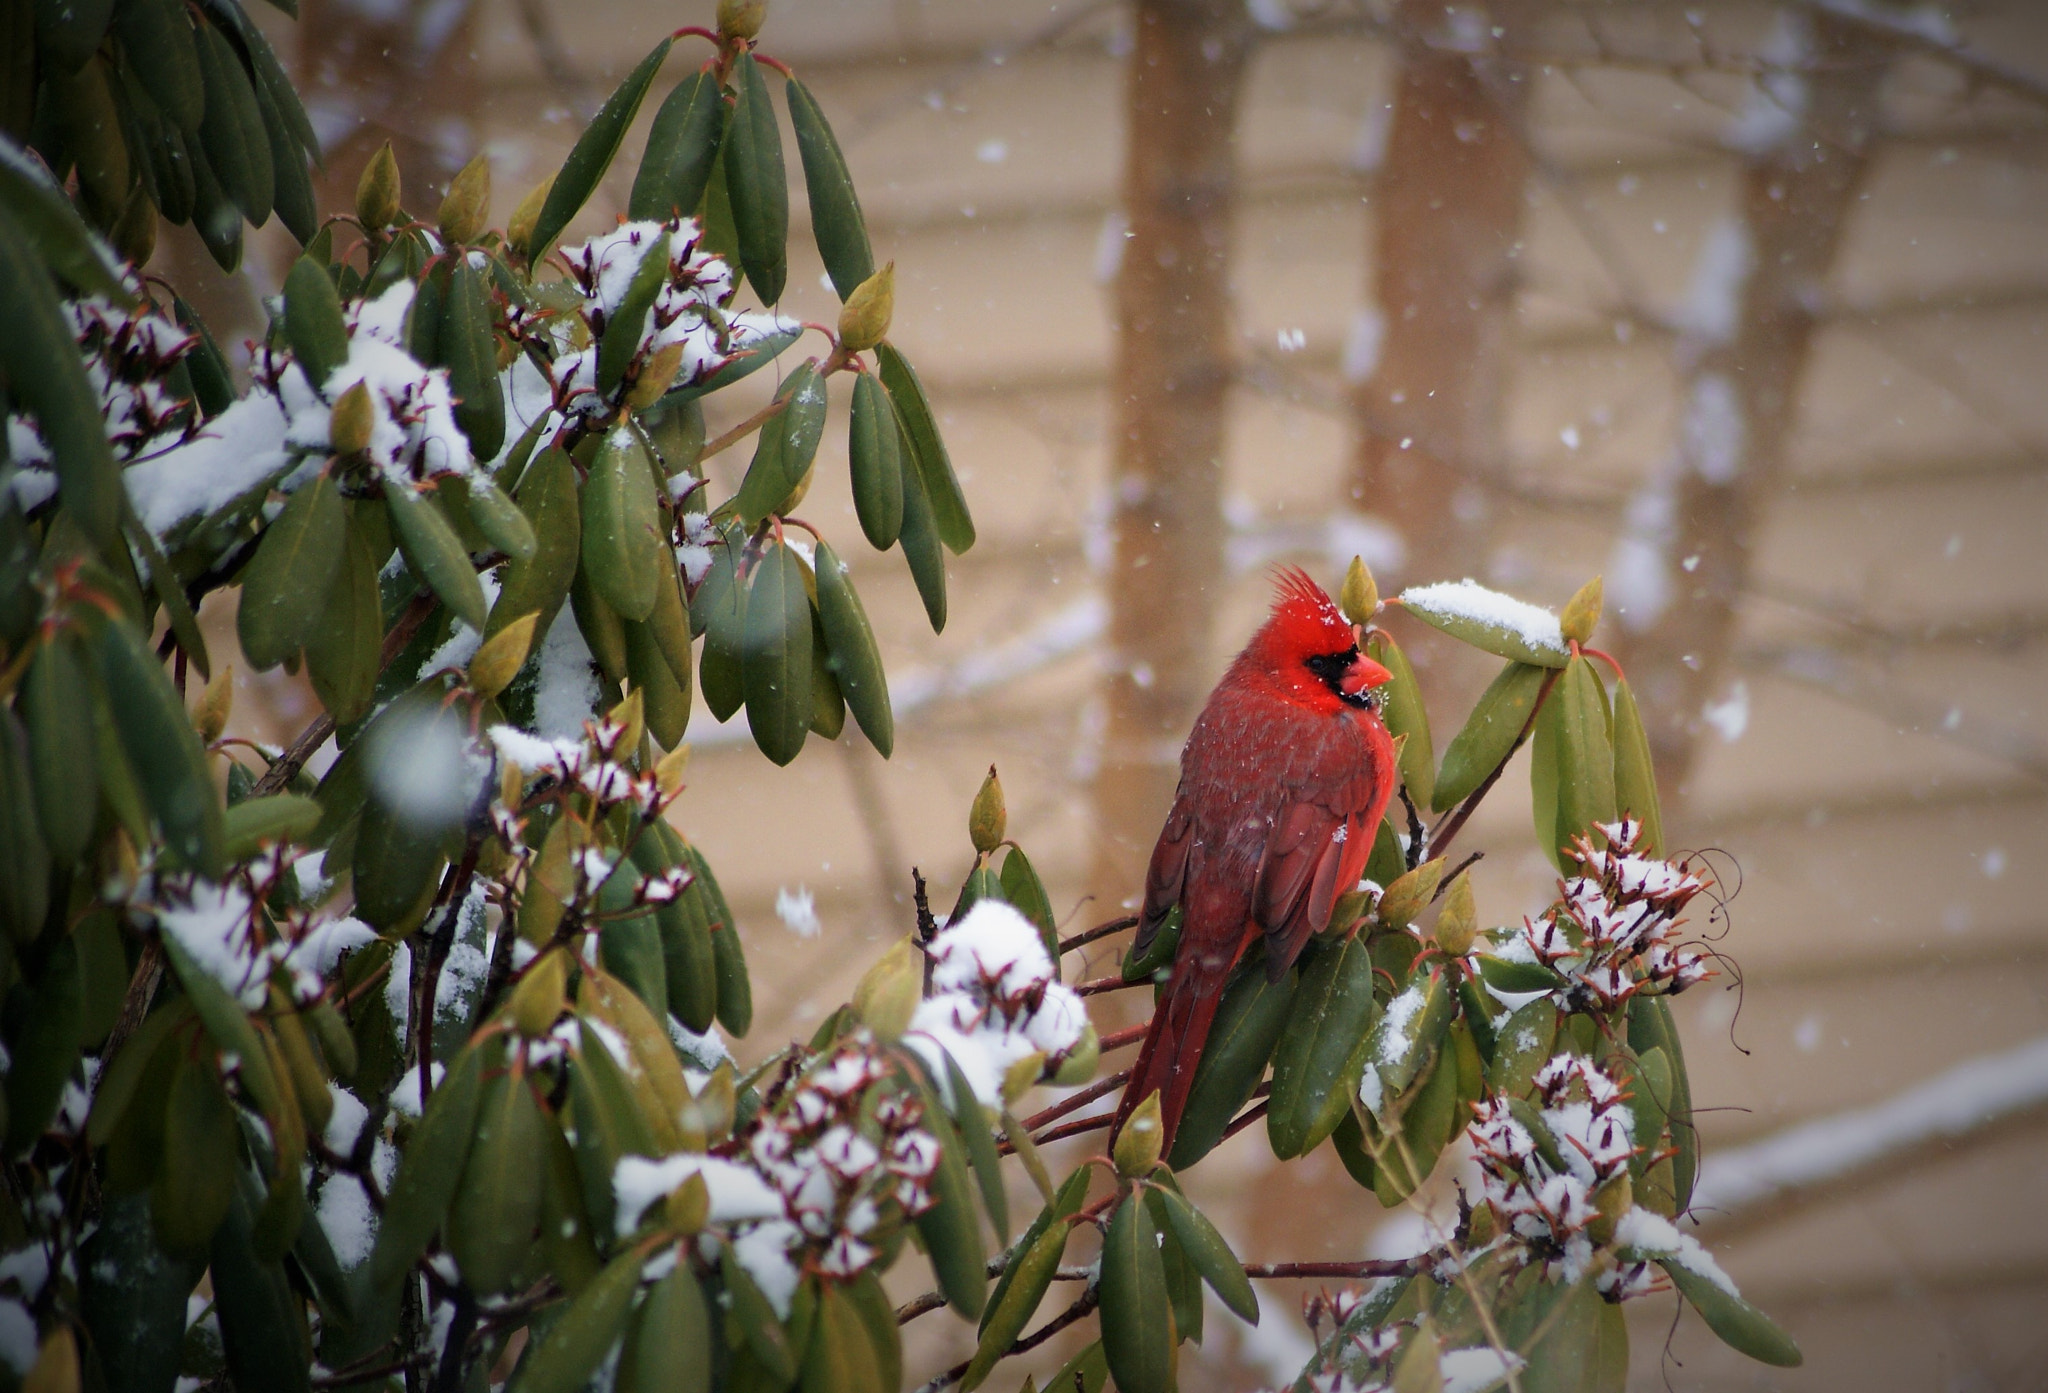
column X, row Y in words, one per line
column 1282, row 785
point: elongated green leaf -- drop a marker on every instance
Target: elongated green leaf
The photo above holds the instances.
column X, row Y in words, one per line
column 1138, row 1334
column 313, row 323
column 276, row 817
column 1406, row 715
column 776, row 655
column 1741, row 1326
column 469, row 348
column 787, row 448
column 287, row 586
column 951, row 520
column 1024, row 1284
column 851, row 652
column 1025, row 892
column 626, row 325
column 434, row 553
column 921, row 546
column 689, row 962
column 735, row 988
column 40, row 361
column 756, row 183
column 1523, row 1048
column 762, row 1333
column 496, row 1209
column 1489, row 734
column 1572, row 738
column 56, row 707
column 836, row 223
column 668, row 1346
column 160, row 745
column 231, row 130
column 343, row 649
column 1489, row 622
column 201, row 1159
column 873, row 447
column 951, row 1233
column 540, row 583
column 1247, row 1026
column 24, row 855
column 980, row 1147
column 579, row 1341
column 1066, row 1202
column 132, row 1295
column 262, row 1321
column 682, row 147
column 1650, row 1026
column 622, row 543
column 1322, row 1050
column 51, row 226
column 1212, row 1257
column 429, row 1171
column 1635, row 777
column 593, row 153
column 1505, row 975
column 157, row 38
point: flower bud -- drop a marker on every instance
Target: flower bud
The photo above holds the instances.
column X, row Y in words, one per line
column 351, row 420
column 656, row 374
column 1457, row 921
column 377, row 191
column 688, row 1207
column 519, row 232
column 1138, row 1145
column 1581, row 613
column 889, row 992
column 864, row 318
column 741, row 19
column 537, row 1000
column 210, row 717
column 1410, row 893
column 496, row 663
column 988, row 819
column 1079, row 1065
column 468, row 203
column 1359, row 598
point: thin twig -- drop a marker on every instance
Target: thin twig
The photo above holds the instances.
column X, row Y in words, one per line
column 1077, row 1311
column 1370, row 1267
column 744, row 429
column 1077, row 1127
column 1088, row 936
column 1078, row 1100
column 1108, row 984
column 1130, row 1035
column 1455, row 819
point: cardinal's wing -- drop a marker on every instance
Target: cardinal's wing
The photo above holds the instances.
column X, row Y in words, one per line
column 1336, row 787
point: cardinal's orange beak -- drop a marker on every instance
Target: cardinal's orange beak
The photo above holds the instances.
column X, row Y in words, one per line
column 1363, row 675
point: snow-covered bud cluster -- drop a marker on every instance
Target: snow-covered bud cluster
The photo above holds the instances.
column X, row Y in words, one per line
column 253, row 928
column 845, row 1163
column 686, row 332
column 413, row 434
column 1545, row 1167
column 130, row 356
column 1614, row 930
column 996, row 998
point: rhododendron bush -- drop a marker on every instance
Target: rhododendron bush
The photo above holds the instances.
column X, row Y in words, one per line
column 417, row 1052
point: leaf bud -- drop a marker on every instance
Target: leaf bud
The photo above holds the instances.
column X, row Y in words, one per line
column 519, row 231
column 496, row 663
column 1457, row 921
column 210, row 717
column 1139, row 1143
column 709, row 1112
column 1409, row 893
column 988, row 819
column 350, row 421
column 688, row 1207
column 1359, row 598
column 1581, row 613
column 537, row 1000
column 656, row 375
column 1079, row 1065
column 1021, row 1075
column 668, row 771
column 377, row 190
column 468, row 203
column 864, row 318
column 889, row 992
column 741, row 19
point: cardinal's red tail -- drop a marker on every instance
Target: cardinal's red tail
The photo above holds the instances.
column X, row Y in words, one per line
column 1173, row 1045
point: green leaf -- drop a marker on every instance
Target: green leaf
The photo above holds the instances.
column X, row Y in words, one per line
column 608, row 1124
column 53, row 230
column 1322, row 1050
column 496, row 1208
column 1635, row 776
column 1505, row 975
column 262, row 1320
column 1404, row 1039
column 161, row 747
column 201, row 1159
column 1066, row 1202
column 429, row 1172
column 1425, row 1118
column 287, row 586
column 68, row 34
column 625, row 326
column 345, row 646
column 1025, row 1280
column 955, row 527
column 853, row 656
column 1650, row 1027
column 875, row 456
column 735, row 989
column 577, row 1344
column 132, row 1296
column 277, row 817
column 39, row 359
column 469, row 348
column 689, row 962
column 980, row 1147
column 1211, row 1256
column 622, row 527
column 1572, row 738
column 721, row 605
column 668, row 1346
column 313, row 322
column 1405, row 714
column 1138, row 1334
column 434, row 553
column 921, row 546
column 756, row 183
column 836, row 223
column 1741, row 1326
column 539, row 583
column 775, row 657
column 56, row 707
column 593, row 154
column 157, row 38
column 24, row 855
column 762, row 1332
column 1523, row 1048
column 840, row 1356
column 1440, row 607
column 1489, row 734
column 231, row 129
column 1025, row 892
column 1248, row 1023
column 951, row 1233
column 396, row 865
column 787, row 448
column 682, row 148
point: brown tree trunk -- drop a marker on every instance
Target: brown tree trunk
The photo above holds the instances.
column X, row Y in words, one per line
column 1172, row 374
column 1447, row 204
column 406, row 73
column 1690, row 538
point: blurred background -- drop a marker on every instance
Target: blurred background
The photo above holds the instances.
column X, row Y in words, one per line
column 1741, row 305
